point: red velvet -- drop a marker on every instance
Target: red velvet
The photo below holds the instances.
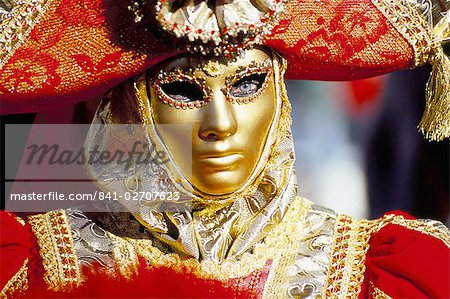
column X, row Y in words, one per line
column 155, row 283
column 15, row 243
column 405, row 263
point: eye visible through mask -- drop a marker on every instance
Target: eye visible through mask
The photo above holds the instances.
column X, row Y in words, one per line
column 181, row 89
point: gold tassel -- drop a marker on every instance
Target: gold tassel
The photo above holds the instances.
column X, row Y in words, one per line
column 435, row 123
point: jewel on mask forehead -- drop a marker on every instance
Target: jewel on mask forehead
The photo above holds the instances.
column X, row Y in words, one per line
column 214, row 68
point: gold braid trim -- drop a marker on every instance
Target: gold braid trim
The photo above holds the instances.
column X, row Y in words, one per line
column 376, row 293
column 52, row 231
column 351, row 242
column 409, row 22
column 279, row 244
column 17, row 284
column 428, row 227
column 17, row 25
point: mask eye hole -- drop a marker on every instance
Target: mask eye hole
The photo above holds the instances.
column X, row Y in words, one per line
column 248, row 85
column 183, row 91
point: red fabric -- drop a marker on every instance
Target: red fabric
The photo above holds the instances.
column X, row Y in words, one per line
column 405, row 263
column 79, row 49
column 15, row 246
column 17, row 243
column 338, row 40
column 155, row 283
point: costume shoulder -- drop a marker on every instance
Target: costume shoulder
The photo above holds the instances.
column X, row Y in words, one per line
column 407, row 258
column 15, row 250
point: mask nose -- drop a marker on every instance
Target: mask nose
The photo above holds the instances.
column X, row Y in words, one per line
column 219, row 121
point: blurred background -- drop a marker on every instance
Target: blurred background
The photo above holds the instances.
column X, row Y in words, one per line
column 358, row 149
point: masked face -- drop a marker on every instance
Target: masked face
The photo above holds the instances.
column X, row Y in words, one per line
column 230, row 106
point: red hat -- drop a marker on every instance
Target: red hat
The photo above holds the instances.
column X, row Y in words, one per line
column 58, row 52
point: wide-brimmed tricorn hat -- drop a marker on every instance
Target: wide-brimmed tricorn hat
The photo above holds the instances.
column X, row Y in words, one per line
column 58, row 52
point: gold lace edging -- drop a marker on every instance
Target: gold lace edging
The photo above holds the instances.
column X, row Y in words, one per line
column 280, row 240
column 17, row 25
column 288, row 244
column 18, row 283
column 56, row 247
column 351, row 243
column 413, row 26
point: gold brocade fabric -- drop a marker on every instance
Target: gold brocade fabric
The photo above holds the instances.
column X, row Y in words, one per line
column 220, row 226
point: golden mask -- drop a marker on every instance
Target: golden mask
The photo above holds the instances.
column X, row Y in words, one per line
column 230, row 105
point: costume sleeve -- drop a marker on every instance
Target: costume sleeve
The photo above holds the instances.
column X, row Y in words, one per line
column 15, row 247
column 408, row 259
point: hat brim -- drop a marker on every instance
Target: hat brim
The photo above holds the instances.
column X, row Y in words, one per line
column 60, row 52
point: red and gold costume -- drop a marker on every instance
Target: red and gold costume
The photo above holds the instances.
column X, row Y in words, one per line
column 263, row 241
column 318, row 254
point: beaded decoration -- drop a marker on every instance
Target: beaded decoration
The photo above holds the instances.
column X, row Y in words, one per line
column 179, row 75
column 264, row 67
column 187, row 75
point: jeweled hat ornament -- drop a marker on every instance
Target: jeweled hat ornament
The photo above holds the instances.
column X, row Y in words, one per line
column 55, row 53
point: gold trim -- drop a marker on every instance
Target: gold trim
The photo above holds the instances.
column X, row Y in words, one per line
column 411, row 24
column 428, row 227
column 280, row 244
column 289, row 245
column 376, row 293
column 351, row 242
column 17, row 25
column 20, row 220
column 18, row 283
column 56, row 247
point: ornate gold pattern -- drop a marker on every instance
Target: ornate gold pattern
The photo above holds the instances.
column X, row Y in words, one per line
column 18, row 283
column 52, row 231
column 280, row 245
column 346, row 271
column 214, row 68
column 411, row 24
column 17, row 25
column 221, row 29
